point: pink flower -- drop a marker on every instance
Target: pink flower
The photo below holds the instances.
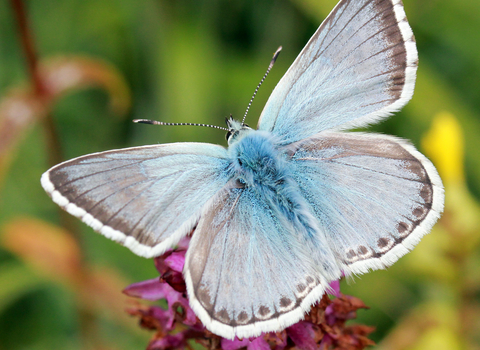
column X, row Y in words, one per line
column 323, row 328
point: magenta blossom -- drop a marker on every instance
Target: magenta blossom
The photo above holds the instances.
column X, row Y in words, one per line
column 323, row 327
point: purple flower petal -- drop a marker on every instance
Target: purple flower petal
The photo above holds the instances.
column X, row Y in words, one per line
column 277, row 341
column 163, row 316
column 302, row 335
column 189, row 317
column 175, row 280
column 258, row 344
column 235, row 344
column 176, row 260
column 175, row 341
column 170, row 266
column 326, row 342
column 335, row 288
column 150, row 290
column 330, row 315
column 176, row 299
column 184, row 242
column 160, row 264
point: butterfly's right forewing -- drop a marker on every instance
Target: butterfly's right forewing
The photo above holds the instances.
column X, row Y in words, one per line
column 146, row 198
column 357, row 68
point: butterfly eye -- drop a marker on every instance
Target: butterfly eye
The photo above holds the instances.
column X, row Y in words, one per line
column 227, row 136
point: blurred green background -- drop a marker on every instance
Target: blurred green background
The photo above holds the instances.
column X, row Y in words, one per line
column 106, row 62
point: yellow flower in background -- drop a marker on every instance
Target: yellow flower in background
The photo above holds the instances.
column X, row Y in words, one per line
column 448, row 259
column 444, row 145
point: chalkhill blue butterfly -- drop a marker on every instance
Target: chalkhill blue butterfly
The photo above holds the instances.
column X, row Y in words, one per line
column 287, row 208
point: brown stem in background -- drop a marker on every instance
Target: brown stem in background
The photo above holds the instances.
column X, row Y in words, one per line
column 87, row 318
column 26, row 37
column 27, row 45
column 41, row 93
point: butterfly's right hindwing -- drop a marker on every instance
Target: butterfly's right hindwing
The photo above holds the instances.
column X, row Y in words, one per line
column 374, row 196
column 146, row 198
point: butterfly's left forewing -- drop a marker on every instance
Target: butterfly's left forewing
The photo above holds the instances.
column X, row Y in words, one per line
column 146, row 198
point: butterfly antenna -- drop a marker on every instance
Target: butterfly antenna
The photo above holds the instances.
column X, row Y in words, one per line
column 154, row 122
column 274, row 58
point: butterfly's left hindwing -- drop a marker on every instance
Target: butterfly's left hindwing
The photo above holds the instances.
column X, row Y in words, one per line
column 250, row 270
column 146, row 198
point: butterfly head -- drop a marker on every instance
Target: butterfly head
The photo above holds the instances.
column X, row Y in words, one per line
column 236, row 130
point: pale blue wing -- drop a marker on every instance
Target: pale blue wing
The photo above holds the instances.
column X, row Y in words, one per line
column 374, row 196
column 248, row 270
column 146, row 198
column 357, row 68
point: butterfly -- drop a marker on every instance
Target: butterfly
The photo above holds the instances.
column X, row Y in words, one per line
column 286, row 208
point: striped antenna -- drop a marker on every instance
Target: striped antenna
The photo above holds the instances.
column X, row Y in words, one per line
column 274, row 58
column 154, row 122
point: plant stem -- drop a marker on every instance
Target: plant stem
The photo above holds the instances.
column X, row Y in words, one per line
column 26, row 38
column 42, row 95
column 28, row 47
column 86, row 315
